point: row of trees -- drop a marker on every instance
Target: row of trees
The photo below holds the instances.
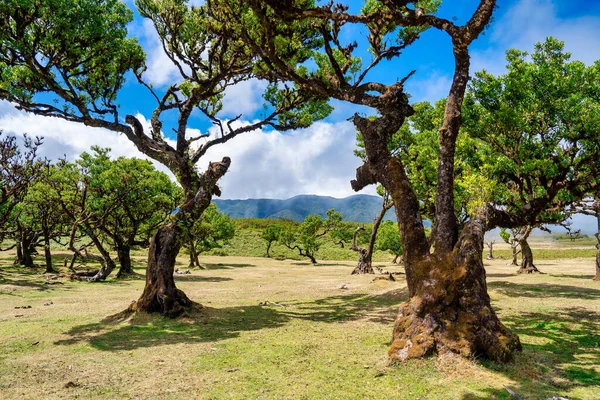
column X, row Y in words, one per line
column 307, row 238
column 93, row 203
column 510, row 153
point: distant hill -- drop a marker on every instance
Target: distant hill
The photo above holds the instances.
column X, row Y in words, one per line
column 357, row 208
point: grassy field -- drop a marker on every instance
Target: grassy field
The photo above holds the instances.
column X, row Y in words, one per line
column 317, row 342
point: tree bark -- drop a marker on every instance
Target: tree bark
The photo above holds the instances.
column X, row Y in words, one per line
column 365, row 255
column 19, row 250
column 527, row 266
column 48, row 255
column 28, row 240
column 515, row 253
column 364, row 265
column 449, row 309
column 194, row 261
column 268, row 248
column 124, row 256
column 490, row 255
column 160, row 293
column 597, row 276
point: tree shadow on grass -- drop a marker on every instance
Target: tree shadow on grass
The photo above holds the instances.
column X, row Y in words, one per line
column 224, row 266
column 543, row 290
column 197, row 278
column 381, row 308
column 320, row 264
column 12, row 280
column 500, row 275
column 584, row 277
column 560, row 352
column 207, row 324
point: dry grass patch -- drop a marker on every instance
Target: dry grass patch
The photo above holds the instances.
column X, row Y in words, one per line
column 313, row 340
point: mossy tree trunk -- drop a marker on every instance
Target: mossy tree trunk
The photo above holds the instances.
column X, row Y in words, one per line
column 449, row 309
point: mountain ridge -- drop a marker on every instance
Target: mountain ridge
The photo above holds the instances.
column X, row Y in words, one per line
column 355, row 208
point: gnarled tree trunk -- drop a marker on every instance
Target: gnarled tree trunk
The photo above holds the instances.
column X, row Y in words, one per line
column 160, row 293
column 449, row 309
column 364, row 265
column 527, row 266
column 194, row 260
column 365, row 255
column 28, row 241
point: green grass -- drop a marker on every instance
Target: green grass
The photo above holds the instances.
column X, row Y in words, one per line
column 248, row 243
column 551, row 254
column 325, row 343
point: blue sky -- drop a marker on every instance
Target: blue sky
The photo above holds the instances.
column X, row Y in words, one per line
column 319, row 159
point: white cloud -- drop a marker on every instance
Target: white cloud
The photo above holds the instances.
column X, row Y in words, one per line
column 317, row 160
column 532, row 21
column 161, row 71
column 430, row 88
column 68, row 139
column 244, row 98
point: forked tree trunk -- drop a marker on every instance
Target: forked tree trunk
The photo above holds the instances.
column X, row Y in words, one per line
column 365, row 255
column 27, row 259
column 527, row 266
column 268, row 248
column 160, row 293
column 124, row 256
column 449, row 308
column 194, row 259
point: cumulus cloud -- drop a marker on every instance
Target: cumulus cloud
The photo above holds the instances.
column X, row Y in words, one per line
column 68, row 139
column 317, row 160
column 431, row 87
column 531, row 21
column 244, row 98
